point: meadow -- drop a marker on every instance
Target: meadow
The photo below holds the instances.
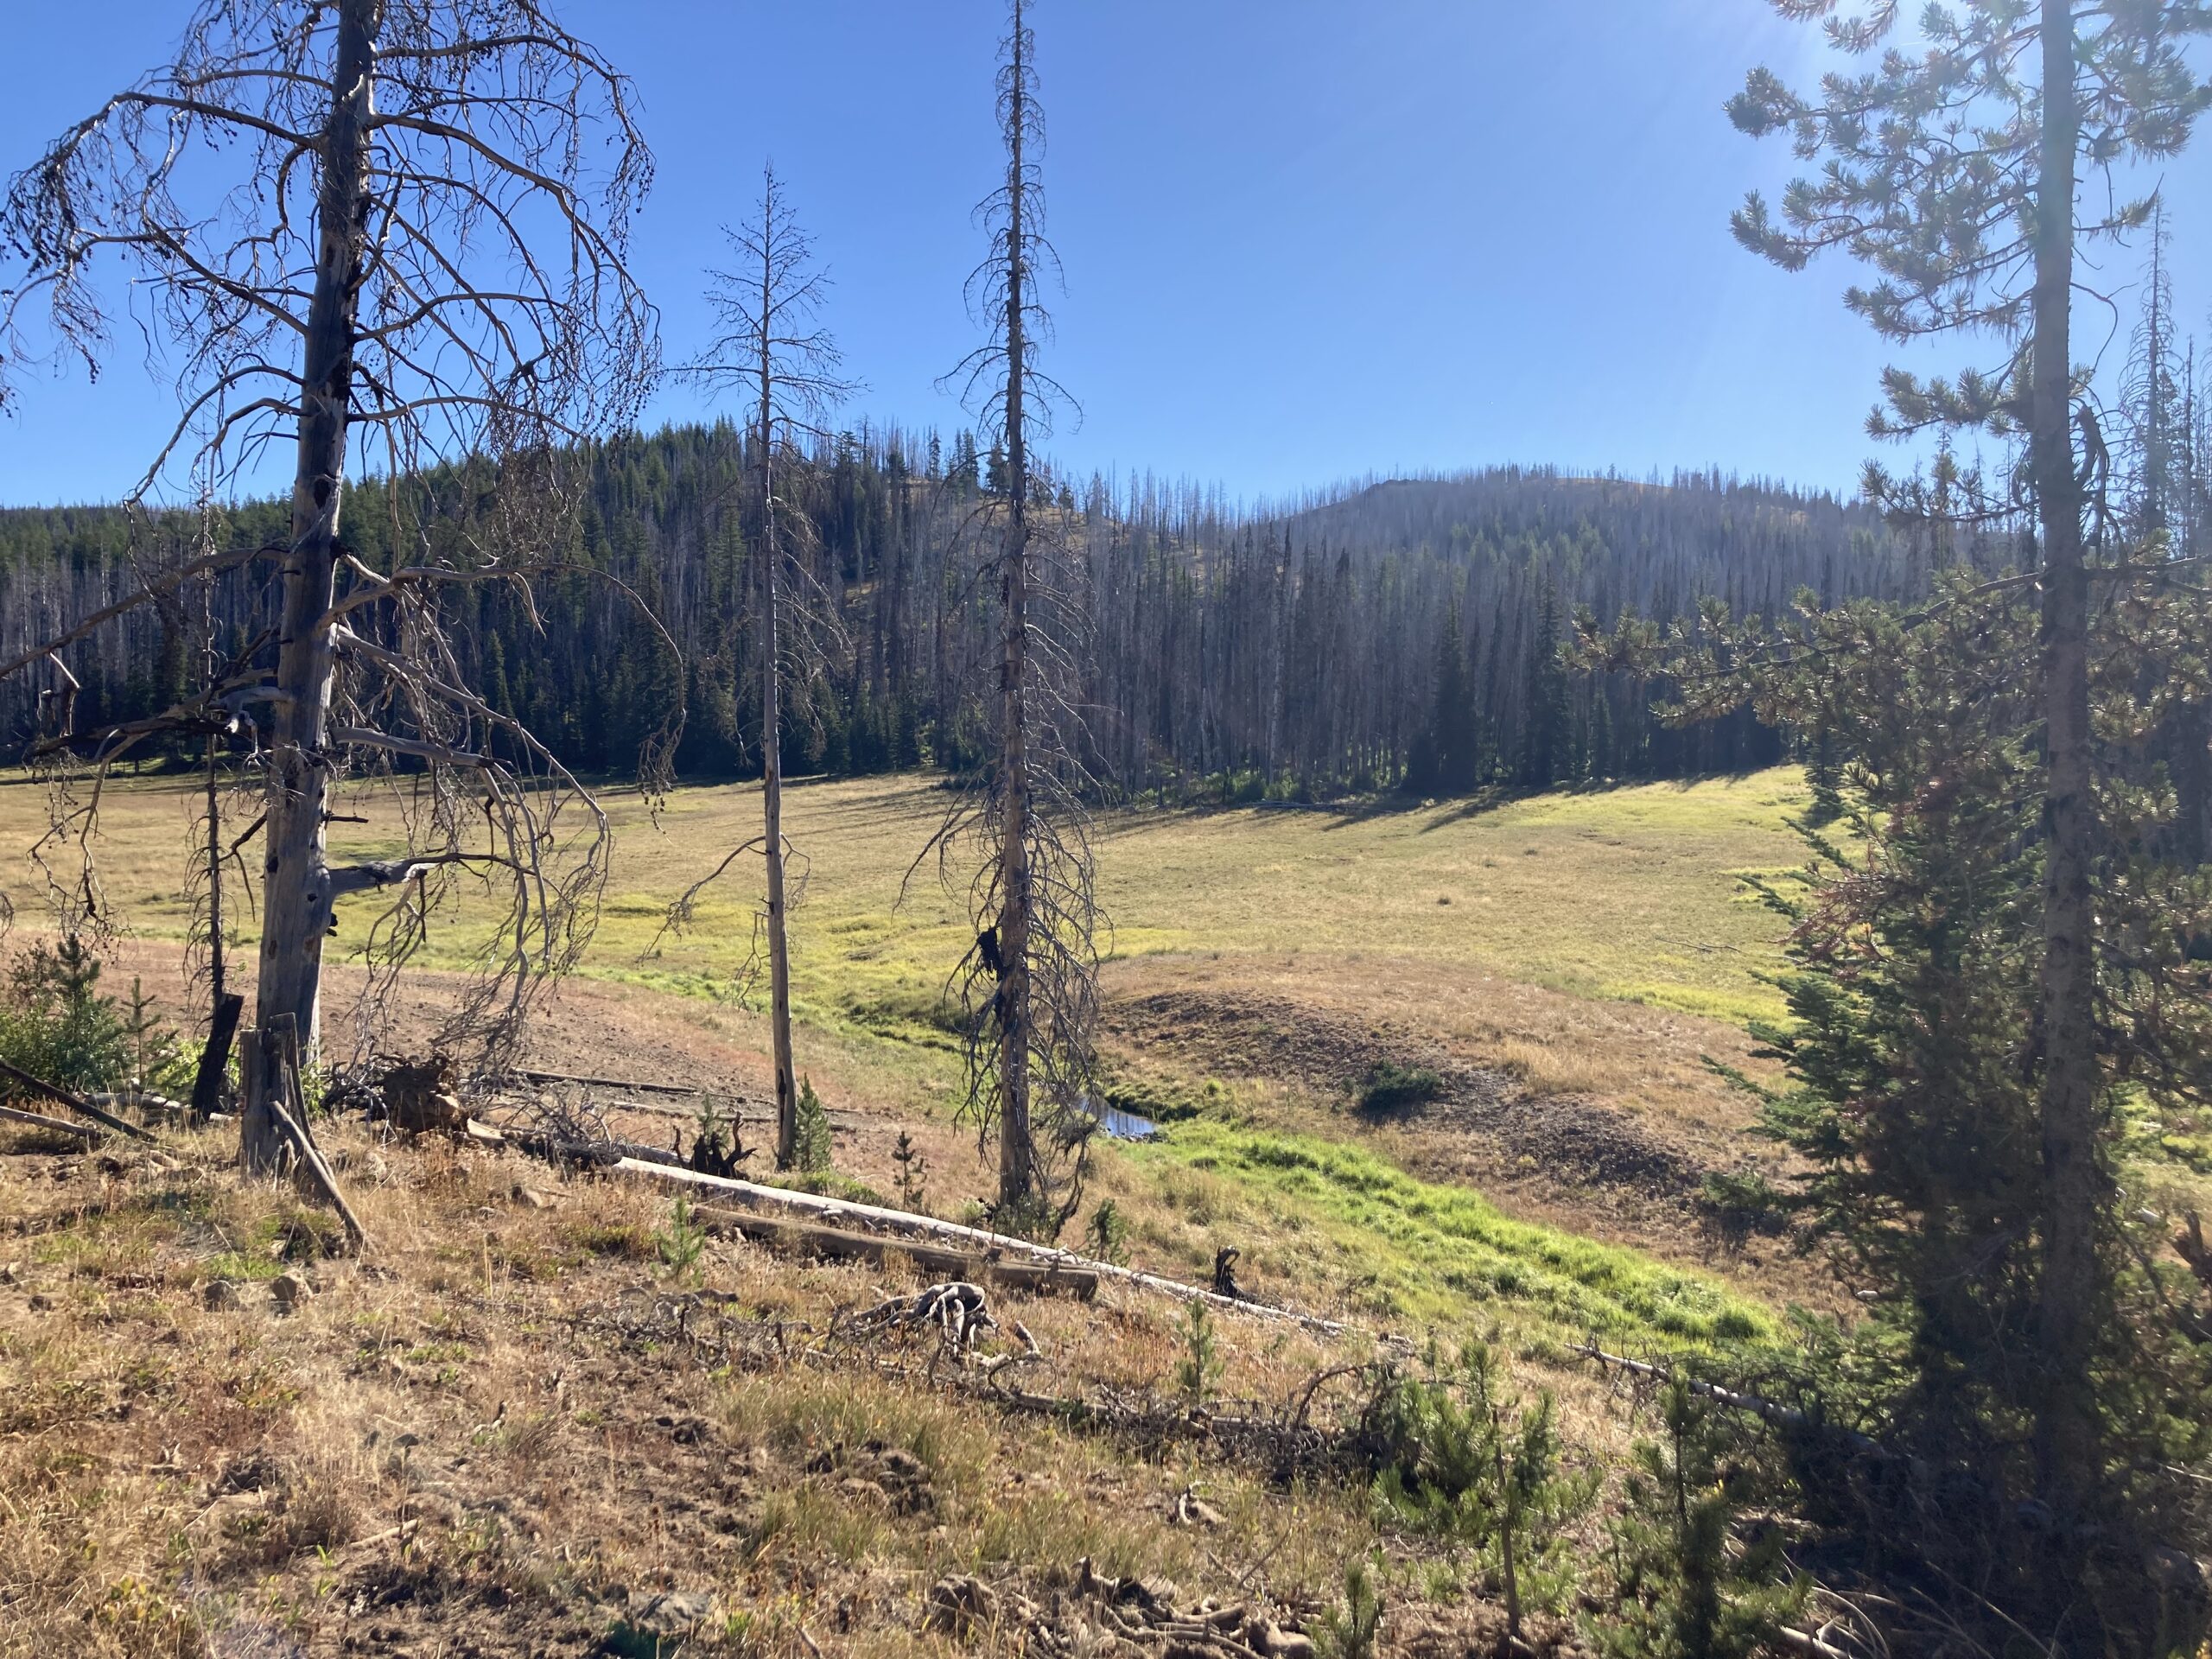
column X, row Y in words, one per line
column 1593, row 945
column 1629, row 894
column 492, row 1423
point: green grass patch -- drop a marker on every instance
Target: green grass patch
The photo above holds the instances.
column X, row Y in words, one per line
column 1630, row 893
column 1444, row 1257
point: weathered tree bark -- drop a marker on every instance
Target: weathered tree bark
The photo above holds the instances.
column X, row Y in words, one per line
column 1017, row 1150
column 296, row 902
column 218, row 988
column 772, row 747
column 223, row 1020
column 2070, row 1295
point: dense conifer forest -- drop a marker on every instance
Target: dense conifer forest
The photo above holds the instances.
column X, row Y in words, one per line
column 1395, row 634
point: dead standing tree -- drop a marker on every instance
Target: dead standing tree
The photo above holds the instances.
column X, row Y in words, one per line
column 1029, row 985
column 382, row 216
column 771, row 348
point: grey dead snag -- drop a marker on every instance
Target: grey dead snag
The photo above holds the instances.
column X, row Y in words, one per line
column 1028, row 985
column 770, row 347
column 424, row 274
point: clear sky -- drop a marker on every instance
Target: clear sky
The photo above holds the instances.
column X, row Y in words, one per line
column 1305, row 239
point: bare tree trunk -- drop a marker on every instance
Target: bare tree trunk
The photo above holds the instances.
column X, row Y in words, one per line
column 2069, row 1296
column 296, row 904
column 217, row 984
column 1017, row 1153
column 772, row 747
column 223, row 1006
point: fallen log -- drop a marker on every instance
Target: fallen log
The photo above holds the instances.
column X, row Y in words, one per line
column 583, row 1155
column 630, row 1084
column 905, row 1224
column 84, row 1132
column 277, row 1047
column 731, row 1109
column 836, row 1243
column 1769, row 1411
column 137, row 1100
column 74, row 1102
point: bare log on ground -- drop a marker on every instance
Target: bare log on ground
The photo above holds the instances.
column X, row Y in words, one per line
column 1780, row 1415
column 903, row 1224
column 836, row 1243
column 137, row 1100
column 631, row 1085
column 74, row 1102
column 84, row 1132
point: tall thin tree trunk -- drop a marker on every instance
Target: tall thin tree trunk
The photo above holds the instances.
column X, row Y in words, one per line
column 296, row 906
column 2070, row 1295
column 771, row 748
column 217, row 980
column 1017, row 1156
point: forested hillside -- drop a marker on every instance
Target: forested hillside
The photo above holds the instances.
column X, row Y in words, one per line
column 1402, row 634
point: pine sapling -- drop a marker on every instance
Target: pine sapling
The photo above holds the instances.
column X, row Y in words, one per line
column 1198, row 1369
column 684, row 1244
column 911, row 1168
column 1349, row 1632
column 1107, row 1235
column 811, row 1143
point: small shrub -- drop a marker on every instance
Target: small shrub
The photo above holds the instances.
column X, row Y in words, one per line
column 682, row 1245
column 1467, row 1461
column 811, row 1145
column 829, row 1184
column 55, row 1023
column 1107, row 1236
column 613, row 1238
column 1389, row 1087
column 1689, row 1587
column 1039, row 1219
column 1198, row 1367
column 1740, row 1204
column 1349, row 1631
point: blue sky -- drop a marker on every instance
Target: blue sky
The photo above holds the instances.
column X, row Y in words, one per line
column 1305, row 239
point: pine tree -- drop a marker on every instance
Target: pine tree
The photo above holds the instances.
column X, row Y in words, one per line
column 1913, row 1051
column 1546, row 715
column 1452, row 721
column 1955, row 169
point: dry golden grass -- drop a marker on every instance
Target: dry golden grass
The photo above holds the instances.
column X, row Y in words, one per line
column 1596, row 945
column 485, row 1434
column 506, row 1425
